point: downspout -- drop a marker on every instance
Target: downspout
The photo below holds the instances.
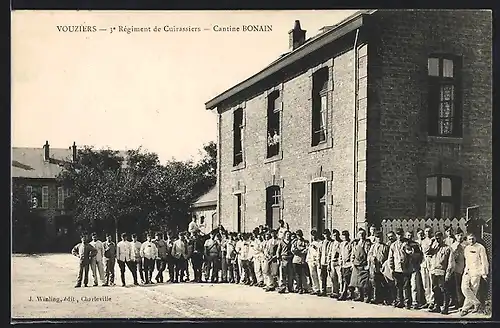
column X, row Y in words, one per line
column 218, row 168
column 355, row 134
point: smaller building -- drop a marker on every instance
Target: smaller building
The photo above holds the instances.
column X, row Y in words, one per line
column 205, row 211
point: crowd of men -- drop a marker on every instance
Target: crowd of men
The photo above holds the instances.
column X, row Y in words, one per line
column 433, row 271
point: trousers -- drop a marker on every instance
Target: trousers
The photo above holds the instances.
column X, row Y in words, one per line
column 131, row 266
column 83, row 273
column 315, row 273
column 109, row 267
column 97, row 267
column 258, row 269
column 470, row 288
column 427, row 280
column 149, row 266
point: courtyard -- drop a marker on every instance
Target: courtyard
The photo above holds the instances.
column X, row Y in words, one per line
column 43, row 287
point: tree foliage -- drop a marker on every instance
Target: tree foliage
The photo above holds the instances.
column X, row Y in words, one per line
column 21, row 215
column 133, row 192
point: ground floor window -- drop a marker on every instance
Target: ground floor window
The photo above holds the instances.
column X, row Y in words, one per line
column 443, row 196
column 318, row 204
column 273, row 206
column 239, row 212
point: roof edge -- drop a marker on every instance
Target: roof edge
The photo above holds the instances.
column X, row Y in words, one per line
column 344, row 27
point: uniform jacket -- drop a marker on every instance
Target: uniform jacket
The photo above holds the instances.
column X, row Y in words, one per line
column 212, row 247
column 244, row 253
column 124, row 251
column 136, row 250
column 270, row 250
column 458, row 256
column 399, row 259
column 284, row 251
column 84, row 251
column 231, row 250
column 313, row 252
column 476, row 260
column 377, row 255
column 258, row 250
column 163, row 250
column 99, row 248
column 345, row 253
column 109, row 250
column 149, row 250
column 324, row 252
column 299, row 250
column 442, row 262
column 416, row 257
column 179, row 249
column 359, row 257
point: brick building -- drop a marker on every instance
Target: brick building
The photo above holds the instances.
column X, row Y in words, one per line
column 385, row 114
column 36, row 169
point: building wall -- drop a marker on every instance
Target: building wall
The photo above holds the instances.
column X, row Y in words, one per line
column 208, row 212
column 400, row 153
column 299, row 164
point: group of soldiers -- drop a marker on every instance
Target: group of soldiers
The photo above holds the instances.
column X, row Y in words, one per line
column 434, row 271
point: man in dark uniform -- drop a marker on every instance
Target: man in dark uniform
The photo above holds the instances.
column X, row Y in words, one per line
column 85, row 252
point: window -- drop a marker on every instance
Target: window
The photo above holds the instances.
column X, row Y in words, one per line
column 45, row 197
column 318, row 220
column 273, row 124
column 443, row 196
column 445, row 118
column 319, row 106
column 60, row 197
column 239, row 214
column 273, row 206
column 238, row 134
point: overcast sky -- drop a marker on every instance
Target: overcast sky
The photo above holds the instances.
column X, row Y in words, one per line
column 144, row 89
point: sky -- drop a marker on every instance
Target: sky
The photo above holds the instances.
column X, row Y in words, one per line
column 144, row 89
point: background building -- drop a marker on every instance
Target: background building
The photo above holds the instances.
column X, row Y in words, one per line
column 205, row 211
column 384, row 115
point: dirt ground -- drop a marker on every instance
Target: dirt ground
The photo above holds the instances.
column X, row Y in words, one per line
column 43, row 287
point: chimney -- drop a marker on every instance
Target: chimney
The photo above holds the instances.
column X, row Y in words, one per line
column 297, row 36
column 74, row 151
column 46, row 151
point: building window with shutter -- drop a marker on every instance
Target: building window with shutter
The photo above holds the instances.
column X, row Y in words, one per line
column 318, row 198
column 443, row 196
column 45, row 197
column 320, row 106
column 239, row 212
column 445, row 115
column 273, row 206
column 60, row 197
column 238, row 136
column 273, row 124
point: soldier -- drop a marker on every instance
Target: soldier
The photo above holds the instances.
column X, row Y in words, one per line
column 360, row 278
column 149, row 253
column 168, row 259
column 109, row 261
column 458, row 248
column 334, row 267
column 85, row 252
column 285, row 256
column 416, row 258
column 197, row 256
column 425, row 267
column 299, row 250
column 223, row 259
column 271, row 261
column 161, row 261
column 124, row 257
column 96, row 263
column 312, row 260
column 212, row 253
column 324, row 260
column 376, row 257
column 345, row 253
column 441, row 271
column 136, row 257
column 258, row 258
column 399, row 261
column 179, row 253
column 232, row 261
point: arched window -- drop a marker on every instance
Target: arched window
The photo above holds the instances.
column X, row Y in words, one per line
column 443, row 196
column 273, row 206
column 238, row 137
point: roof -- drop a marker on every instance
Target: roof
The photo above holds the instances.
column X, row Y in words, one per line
column 29, row 162
column 329, row 34
column 207, row 199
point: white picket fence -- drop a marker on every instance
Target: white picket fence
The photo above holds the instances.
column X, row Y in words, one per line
column 415, row 223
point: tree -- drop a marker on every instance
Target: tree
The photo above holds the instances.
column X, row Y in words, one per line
column 21, row 214
column 206, row 169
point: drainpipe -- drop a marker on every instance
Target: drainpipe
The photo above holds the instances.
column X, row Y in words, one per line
column 218, row 168
column 355, row 133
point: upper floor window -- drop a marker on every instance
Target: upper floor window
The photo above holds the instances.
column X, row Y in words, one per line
column 238, row 136
column 319, row 106
column 45, row 197
column 445, row 117
column 273, row 124
column 443, row 196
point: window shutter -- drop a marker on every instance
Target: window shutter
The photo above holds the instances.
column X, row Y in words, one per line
column 433, row 106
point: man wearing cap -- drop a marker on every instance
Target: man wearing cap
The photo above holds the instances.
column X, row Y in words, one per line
column 193, row 226
column 271, row 261
column 161, row 260
column 416, row 258
column 149, row 253
column 441, row 271
column 371, row 233
column 399, row 262
column 109, row 261
column 425, row 267
column 96, row 261
column 449, row 236
column 313, row 261
column 212, row 253
column 85, row 252
column 324, row 260
column 136, row 257
column 124, row 258
column 345, row 253
column 299, row 251
column 197, row 256
column 377, row 255
column 335, row 269
column 476, row 268
column 285, row 255
column 360, row 278
column 179, row 253
column 458, row 248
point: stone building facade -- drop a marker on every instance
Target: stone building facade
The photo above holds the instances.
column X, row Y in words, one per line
column 386, row 114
